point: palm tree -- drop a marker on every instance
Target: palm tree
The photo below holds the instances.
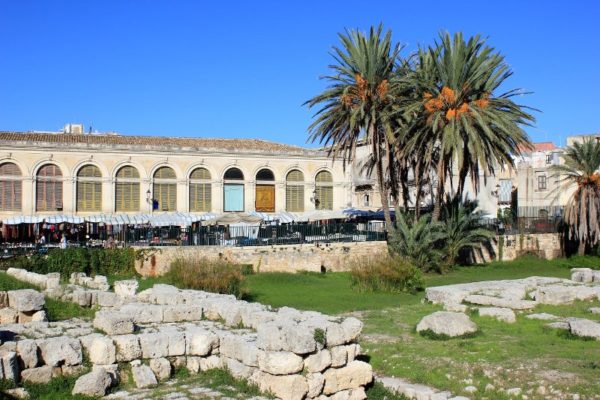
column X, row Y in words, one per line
column 455, row 109
column 417, row 241
column 461, row 229
column 358, row 104
column 579, row 174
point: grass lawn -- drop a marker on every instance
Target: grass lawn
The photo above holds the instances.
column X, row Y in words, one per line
column 525, row 355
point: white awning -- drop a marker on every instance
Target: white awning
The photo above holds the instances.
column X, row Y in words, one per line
column 59, row 219
column 23, row 219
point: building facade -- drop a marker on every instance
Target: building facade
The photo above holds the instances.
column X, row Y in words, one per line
column 69, row 172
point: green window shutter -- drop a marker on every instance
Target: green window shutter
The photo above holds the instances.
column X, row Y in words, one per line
column 11, row 187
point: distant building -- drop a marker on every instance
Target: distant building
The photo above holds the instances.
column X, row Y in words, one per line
column 76, row 173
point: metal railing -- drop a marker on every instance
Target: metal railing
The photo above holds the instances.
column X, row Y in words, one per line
column 526, row 225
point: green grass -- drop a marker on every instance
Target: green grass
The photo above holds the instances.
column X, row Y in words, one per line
column 506, row 355
column 57, row 310
column 333, row 293
column 57, row 389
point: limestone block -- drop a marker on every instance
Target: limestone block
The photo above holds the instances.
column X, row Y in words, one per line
column 95, row 383
column 108, row 299
column 82, row 297
column 114, row 323
column 211, row 362
column 200, row 342
column 177, row 343
column 287, row 336
column 352, row 376
column 178, row 362
column 501, row 314
column 285, row 387
column 52, row 280
column 100, row 282
column 126, row 288
column 584, row 328
column 318, row 362
column 237, row 369
column 27, row 350
column 354, row 350
column 86, row 340
column 143, row 313
column 154, row 345
column 445, row 294
column 315, row 383
column 352, row 327
column 161, row 368
column 10, row 365
column 160, row 294
column 37, row 375
column 111, row 369
column 514, row 304
column 3, row 299
column 556, row 295
column 39, row 316
column 8, row 316
column 447, row 323
column 143, row 377
column 102, row 351
column 26, row 300
column 584, row 275
column 193, row 364
column 240, row 347
column 182, row 312
column 339, row 356
column 353, row 394
column 280, row 362
column 60, row 350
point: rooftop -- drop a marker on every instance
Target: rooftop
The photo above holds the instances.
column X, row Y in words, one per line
column 149, row 142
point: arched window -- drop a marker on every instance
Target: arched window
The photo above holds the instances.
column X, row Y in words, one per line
column 265, row 191
column 233, row 192
column 127, row 189
column 200, row 190
column 324, row 191
column 49, row 188
column 89, row 189
column 294, row 191
column 10, row 187
column 165, row 189
column 234, row 174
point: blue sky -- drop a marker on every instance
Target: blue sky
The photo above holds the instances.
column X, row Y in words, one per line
column 229, row 69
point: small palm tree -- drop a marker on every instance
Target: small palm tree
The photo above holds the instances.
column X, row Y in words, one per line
column 358, row 104
column 417, row 241
column 580, row 174
column 461, row 230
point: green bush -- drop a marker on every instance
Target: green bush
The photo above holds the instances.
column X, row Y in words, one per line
column 388, row 274
column 66, row 261
column 216, row 276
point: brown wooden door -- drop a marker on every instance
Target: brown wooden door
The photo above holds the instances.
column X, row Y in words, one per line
column 265, row 198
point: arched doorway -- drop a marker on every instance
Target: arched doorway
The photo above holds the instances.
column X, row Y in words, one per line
column 265, row 191
column 233, row 190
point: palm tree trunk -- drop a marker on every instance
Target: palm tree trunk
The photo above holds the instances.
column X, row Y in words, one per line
column 383, row 192
column 439, row 197
column 581, row 248
column 418, row 190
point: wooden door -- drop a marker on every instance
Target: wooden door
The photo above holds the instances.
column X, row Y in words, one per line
column 265, row 198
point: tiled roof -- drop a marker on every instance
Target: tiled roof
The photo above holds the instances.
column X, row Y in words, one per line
column 160, row 143
column 539, row 146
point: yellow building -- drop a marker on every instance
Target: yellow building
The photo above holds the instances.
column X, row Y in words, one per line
column 72, row 173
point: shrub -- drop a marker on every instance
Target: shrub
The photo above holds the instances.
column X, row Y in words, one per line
column 218, row 276
column 91, row 261
column 389, row 274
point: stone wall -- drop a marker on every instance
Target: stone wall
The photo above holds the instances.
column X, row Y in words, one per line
column 284, row 258
column 546, row 245
column 290, row 353
column 331, row 256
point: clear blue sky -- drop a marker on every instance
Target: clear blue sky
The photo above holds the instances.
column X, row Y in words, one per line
column 243, row 69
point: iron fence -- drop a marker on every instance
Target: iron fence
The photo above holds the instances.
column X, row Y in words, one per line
column 527, row 225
